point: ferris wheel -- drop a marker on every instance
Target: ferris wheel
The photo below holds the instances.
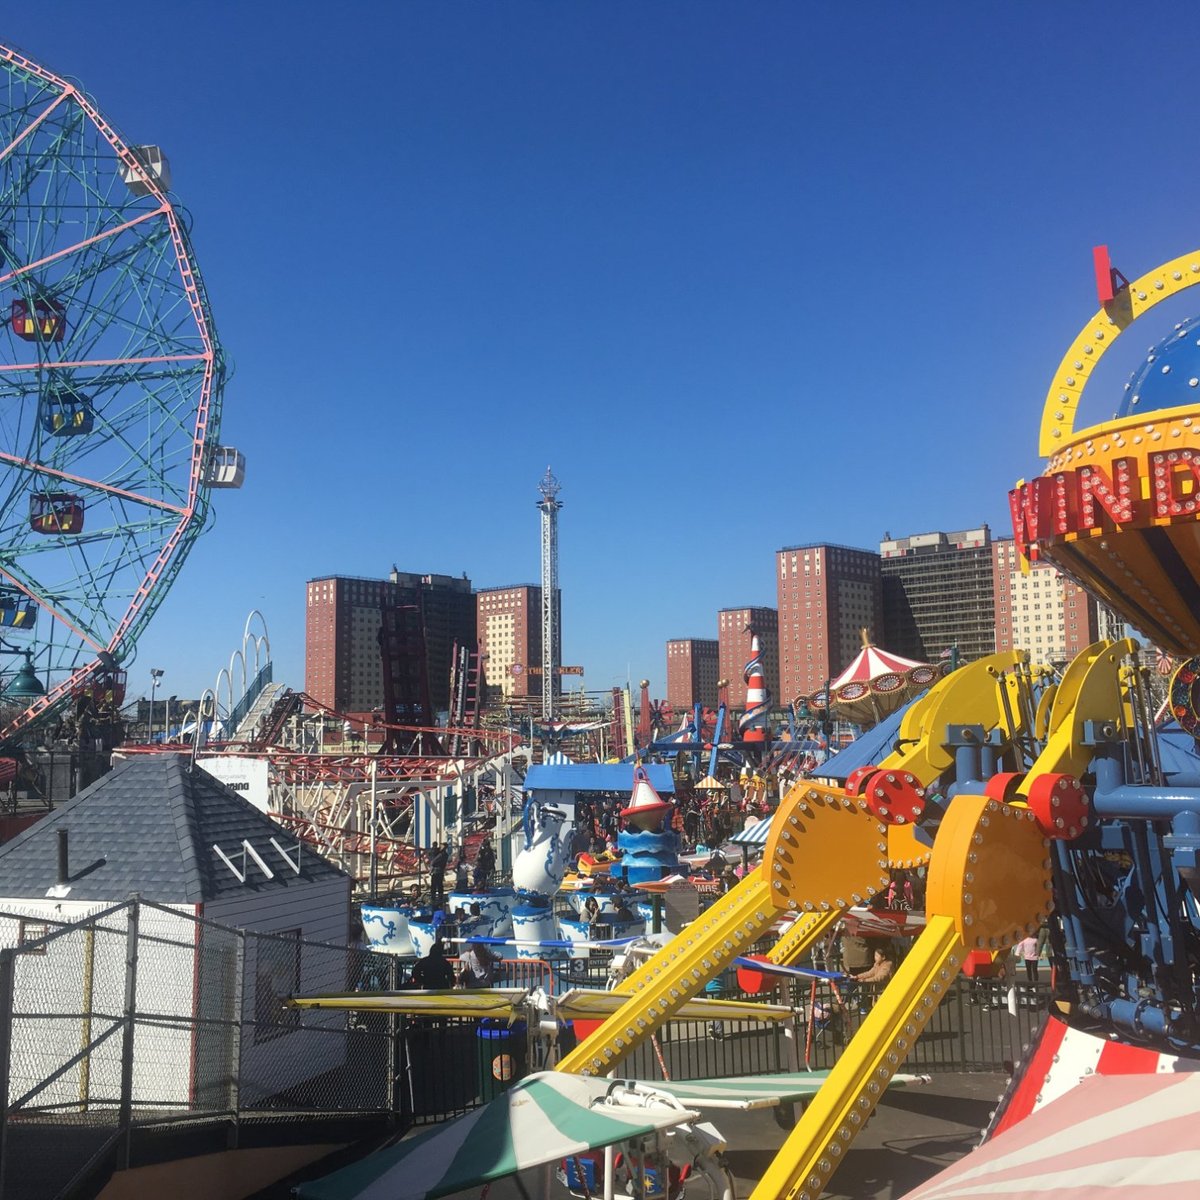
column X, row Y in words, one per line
column 110, row 395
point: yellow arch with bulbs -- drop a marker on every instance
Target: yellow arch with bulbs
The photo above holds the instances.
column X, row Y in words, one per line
column 1095, row 338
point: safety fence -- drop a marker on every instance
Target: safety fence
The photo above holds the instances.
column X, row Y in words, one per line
column 142, row 1017
column 141, row 1020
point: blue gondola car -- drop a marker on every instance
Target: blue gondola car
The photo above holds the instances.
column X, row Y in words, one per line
column 63, row 412
column 16, row 610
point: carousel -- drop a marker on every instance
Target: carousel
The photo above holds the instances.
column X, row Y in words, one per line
column 877, row 683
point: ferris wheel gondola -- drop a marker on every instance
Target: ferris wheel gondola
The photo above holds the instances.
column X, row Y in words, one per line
column 111, row 377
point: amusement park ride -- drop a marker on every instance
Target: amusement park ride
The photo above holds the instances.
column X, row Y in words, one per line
column 110, row 397
column 1059, row 799
column 1030, row 796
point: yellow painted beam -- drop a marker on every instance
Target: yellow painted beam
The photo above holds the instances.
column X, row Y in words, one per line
column 988, row 884
column 860, row 1076
column 1090, row 691
column 801, row 936
column 968, row 696
column 676, row 973
column 729, row 902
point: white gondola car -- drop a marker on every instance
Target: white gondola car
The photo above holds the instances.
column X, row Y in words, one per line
column 153, row 166
column 226, row 468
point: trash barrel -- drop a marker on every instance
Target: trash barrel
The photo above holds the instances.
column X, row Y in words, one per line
column 502, row 1056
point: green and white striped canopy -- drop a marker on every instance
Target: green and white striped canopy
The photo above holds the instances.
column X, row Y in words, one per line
column 542, row 1119
column 757, row 1091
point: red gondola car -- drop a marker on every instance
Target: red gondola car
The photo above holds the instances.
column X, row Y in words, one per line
column 55, row 512
column 41, row 321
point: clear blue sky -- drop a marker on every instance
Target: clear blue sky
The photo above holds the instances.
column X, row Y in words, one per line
column 745, row 274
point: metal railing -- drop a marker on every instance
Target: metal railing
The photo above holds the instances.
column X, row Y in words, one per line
column 140, row 1020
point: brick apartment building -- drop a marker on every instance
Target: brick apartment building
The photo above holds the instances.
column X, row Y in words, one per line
column 1042, row 611
column 509, row 631
column 693, row 668
column 343, row 663
column 733, row 649
column 827, row 595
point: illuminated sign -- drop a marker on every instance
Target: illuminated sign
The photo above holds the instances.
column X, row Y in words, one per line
column 1086, row 498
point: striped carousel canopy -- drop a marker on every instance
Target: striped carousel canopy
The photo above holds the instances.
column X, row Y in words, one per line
column 876, row 683
column 754, row 835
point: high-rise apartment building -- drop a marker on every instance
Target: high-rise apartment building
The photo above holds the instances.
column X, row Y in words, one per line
column 827, row 596
column 939, row 592
column 1041, row 611
column 733, row 649
column 693, row 668
column 509, row 629
column 343, row 662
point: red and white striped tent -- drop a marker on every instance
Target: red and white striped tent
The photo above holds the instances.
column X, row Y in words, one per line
column 1116, row 1136
column 877, row 683
column 1086, row 1116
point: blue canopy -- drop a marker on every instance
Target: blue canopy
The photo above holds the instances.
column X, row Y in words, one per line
column 596, row 777
column 866, row 750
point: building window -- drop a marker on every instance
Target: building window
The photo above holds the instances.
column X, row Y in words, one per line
column 31, row 931
column 276, row 976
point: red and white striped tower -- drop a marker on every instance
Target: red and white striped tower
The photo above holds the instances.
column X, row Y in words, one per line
column 753, row 725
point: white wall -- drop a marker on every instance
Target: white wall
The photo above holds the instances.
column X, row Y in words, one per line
column 186, row 970
column 75, row 991
column 273, row 1061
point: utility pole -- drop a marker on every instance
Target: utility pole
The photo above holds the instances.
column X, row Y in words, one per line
column 551, row 634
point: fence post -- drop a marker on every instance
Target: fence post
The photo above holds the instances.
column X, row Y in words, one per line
column 7, row 979
column 125, row 1116
column 393, row 1048
column 962, row 1031
column 235, row 1037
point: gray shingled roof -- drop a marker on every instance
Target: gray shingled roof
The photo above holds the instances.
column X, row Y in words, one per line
column 149, row 827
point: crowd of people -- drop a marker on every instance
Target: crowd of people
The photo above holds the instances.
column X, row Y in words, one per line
column 466, row 878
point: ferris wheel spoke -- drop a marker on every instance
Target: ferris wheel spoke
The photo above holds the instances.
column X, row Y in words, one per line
column 34, row 125
column 39, row 469
column 78, row 246
column 78, row 364
column 50, row 606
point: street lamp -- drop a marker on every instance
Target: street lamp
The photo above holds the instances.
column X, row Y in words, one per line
column 24, row 685
column 155, row 675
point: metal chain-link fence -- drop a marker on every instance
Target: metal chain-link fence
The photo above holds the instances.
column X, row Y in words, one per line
column 140, row 1018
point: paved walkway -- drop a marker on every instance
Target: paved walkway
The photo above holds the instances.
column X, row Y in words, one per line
column 915, row 1133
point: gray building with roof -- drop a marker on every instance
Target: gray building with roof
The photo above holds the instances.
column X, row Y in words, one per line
column 162, row 829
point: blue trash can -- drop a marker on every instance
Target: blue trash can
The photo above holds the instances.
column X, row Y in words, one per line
column 503, row 1051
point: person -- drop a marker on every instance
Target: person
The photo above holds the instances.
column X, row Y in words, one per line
column 877, row 974
column 729, row 879
column 485, row 864
column 880, row 969
column 433, row 971
column 476, row 966
column 621, row 914
column 591, row 910
column 1027, row 950
column 437, row 875
column 462, row 873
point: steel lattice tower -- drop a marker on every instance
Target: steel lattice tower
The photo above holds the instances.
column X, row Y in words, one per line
column 548, row 506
